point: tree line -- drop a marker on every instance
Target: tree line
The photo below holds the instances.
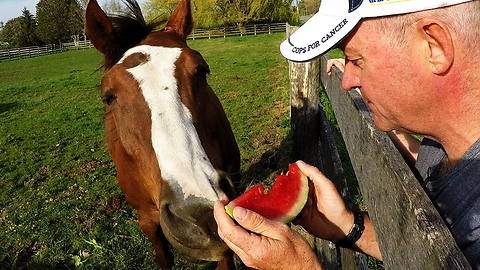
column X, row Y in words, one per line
column 57, row 21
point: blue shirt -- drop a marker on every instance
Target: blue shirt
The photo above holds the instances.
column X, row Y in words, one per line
column 455, row 193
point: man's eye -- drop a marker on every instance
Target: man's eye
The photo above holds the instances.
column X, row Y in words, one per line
column 354, row 62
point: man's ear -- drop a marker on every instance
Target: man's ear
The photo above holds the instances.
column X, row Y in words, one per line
column 440, row 51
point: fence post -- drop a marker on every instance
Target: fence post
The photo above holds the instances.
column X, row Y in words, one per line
column 304, row 115
column 304, row 108
column 311, row 136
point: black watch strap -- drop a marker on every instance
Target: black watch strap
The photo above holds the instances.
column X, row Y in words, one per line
column 355, row 233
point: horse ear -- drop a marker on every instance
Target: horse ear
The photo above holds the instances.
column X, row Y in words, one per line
column 181, row 20
column 98, row 26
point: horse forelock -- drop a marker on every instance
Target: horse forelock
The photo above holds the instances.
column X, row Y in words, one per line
column 129, row 30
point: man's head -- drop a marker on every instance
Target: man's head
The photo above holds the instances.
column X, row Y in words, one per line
column 337, row 18
column 417, row 70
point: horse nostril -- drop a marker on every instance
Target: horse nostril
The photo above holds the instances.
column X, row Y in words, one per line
column 226, row 185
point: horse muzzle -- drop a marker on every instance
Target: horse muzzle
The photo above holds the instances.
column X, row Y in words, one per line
column 192, row 230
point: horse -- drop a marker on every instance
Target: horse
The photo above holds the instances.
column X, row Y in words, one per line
column 166, row 131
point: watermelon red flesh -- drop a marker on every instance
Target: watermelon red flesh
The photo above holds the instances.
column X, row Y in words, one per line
column 283, row 202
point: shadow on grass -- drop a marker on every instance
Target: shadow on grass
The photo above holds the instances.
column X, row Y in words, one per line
column 23, row 261
column 270, row 164
column 4, row 107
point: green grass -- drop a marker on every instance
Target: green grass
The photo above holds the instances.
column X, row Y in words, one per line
column 60, row 205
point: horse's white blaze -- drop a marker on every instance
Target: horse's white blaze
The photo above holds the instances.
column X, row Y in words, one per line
column 181, row 157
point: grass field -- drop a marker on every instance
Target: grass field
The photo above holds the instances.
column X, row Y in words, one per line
column 60, row 205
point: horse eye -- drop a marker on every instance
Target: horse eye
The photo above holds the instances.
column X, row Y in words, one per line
column 108, row 97
column 203, row 70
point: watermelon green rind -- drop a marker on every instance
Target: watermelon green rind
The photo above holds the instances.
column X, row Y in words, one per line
column 302, row 198
column 283, row 202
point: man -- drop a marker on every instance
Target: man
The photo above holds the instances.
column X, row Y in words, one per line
column 416, row 64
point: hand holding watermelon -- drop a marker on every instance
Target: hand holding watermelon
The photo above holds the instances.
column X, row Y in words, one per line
column 262, row 243
column 325, row 215
column 273, row 245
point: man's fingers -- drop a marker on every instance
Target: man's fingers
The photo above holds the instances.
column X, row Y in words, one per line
column 313, row 173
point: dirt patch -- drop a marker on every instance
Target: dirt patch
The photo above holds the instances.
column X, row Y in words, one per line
column 230, row 94
column 115, row 204
column 91, row 166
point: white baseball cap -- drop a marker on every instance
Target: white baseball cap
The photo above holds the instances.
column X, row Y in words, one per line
column 335, row 19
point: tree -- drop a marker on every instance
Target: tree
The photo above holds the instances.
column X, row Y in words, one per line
column 20, row 31
column 267, row 11
column 3, row 44
column 11, row 32
column 215, row 13
column 308, row 7
column 207, row 14
column 159, row 9
column 114, row 7
column 59, row 20
column 28, row 25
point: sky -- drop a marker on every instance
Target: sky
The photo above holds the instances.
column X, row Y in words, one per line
column 10, row 9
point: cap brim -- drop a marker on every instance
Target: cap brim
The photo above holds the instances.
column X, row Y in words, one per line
column 318, row 35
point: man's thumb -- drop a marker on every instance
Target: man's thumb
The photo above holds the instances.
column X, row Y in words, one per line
column 252, row 221
column 239, row 213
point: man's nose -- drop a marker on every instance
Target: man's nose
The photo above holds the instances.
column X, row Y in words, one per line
column 350, row 81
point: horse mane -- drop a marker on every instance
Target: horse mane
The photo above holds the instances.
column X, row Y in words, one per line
column 129, row 30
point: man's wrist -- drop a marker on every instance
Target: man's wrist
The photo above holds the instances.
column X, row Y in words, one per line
column 355, row 232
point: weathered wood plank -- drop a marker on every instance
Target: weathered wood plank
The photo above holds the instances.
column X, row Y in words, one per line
column 410, row 232
column 305, row 110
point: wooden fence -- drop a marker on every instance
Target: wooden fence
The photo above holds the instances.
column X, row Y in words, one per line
column 254, row 29
column 26, row 52
column 78, row 45
column 409, row 230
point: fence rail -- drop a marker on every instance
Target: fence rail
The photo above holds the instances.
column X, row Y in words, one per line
column 78, row 45
column 25, row 52
column 254, row 29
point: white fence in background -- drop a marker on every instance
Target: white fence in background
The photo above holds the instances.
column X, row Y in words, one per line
column 254, row 29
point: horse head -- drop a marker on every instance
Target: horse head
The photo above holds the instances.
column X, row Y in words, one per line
column 166, row 131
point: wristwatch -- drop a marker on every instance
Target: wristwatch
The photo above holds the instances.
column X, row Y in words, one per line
column 355, row 233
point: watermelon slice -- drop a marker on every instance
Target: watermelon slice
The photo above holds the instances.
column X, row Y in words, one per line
column 283, row 202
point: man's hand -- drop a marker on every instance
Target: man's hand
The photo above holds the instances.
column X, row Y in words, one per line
column 261, row 243
column 338, row 62
column 325, row 214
